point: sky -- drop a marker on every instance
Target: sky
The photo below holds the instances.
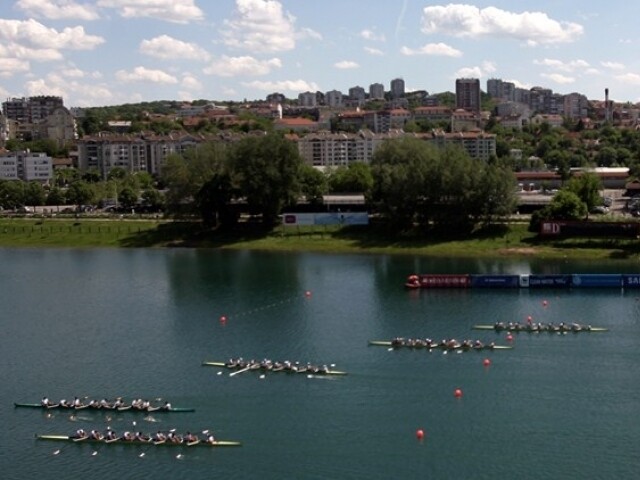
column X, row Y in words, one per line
column 111, row 52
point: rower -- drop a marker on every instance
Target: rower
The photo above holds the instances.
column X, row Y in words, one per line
column 104, row 403
column 80, row 433
column 160, row 437
column 96, row 435
column 76, row 402
column 45, row 402
column 146, row 404
column 111, row 435
column 167, row 406
column 118, row 403
column 211, row 439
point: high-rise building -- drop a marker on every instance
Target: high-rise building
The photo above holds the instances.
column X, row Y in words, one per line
column 376, row 91
column 357, row 93
column 333, row 98
column 468, row 94
column 397, row 88
column 31, row 109
column 307, row 99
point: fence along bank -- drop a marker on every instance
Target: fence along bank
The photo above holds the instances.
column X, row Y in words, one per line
column 575, row 280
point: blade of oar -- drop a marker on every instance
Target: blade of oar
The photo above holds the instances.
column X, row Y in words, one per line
column 240, row 371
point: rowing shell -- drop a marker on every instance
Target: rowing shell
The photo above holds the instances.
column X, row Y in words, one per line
column 302, row 369
column 126, row 409
column 526, row 329
column 66, row 438
column 386, row 343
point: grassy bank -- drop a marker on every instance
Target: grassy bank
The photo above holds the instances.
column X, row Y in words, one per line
column 510, row 240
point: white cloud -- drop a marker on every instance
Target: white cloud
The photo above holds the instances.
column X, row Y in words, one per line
column 346, row 65
column 13, row 50
column 562, row 65
column 435, row 49
column 233, row 66
column 190, row 82
column 260, row 26
column 372, row 36
column 629, row 78
column 373, row 51
column 72, row 73
column 167, row 47
column 613, row 65
column 558, row 78
column 477, row 71
column 33, row 34
column 469, row 72
column 57, row 9
column 304, row 33
column 295, row 86
column 470, row 21
column 142, row 74
column 11, row 66
column 40, row 87
column 175, row 11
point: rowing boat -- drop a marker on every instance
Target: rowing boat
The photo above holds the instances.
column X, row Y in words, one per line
column 121, row 409
column 293, row 369
column 540, row 328
column 202, row 443
column 387, row 343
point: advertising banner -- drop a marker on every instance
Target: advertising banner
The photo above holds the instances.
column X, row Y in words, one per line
column 332, row 218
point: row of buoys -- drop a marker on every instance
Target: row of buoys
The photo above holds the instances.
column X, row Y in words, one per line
column 223, row 318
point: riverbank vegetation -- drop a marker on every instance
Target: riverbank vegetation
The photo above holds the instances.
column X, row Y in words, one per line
column 512, row 239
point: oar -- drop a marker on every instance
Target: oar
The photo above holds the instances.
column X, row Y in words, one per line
column 240, row 371
column 81, row 439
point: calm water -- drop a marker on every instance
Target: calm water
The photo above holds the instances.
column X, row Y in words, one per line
column 140, row 322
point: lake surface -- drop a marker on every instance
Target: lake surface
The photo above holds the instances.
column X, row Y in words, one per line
column 139, row 323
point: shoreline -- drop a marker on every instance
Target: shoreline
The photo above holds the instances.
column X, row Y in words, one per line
column 510, row 240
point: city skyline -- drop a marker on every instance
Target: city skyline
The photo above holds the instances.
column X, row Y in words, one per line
column 108, row 52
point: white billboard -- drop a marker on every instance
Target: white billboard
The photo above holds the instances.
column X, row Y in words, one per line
column 333, row 218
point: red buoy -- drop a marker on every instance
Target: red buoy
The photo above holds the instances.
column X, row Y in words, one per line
column 509, row 337
column 223, row 319
column 529, row 318
column 307, row 293
column 457, row 393
column 420, row 434
column 544, row 303
column 486, row 362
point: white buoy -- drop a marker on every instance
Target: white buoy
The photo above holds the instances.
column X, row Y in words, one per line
column 142, row 455
column 94, row 453
column 56, row 452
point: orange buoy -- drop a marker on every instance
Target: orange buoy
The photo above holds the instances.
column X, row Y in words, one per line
column 420, row 434
column 457, row 393
column 486, row 362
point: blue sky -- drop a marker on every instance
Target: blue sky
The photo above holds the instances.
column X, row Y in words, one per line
column 109, row 52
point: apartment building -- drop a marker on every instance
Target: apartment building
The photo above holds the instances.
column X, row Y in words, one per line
column 135, row 153
column 324, row 149
column 397, row 88
column 307, row 99
column 468, row 94
column 376, row 91
column 27, row 166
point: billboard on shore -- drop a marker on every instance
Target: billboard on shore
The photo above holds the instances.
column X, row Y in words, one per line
column 332, row 218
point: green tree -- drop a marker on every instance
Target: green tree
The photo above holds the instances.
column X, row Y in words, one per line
column 55, row 196
column 313, row 184
column 11, row 194
column 34, row 194
column 184, row 175
column 127, row 197
column 587, row 188
column 266, row 171
column 400, row 169
column 565, row 205
column 80, row 192
column 355, row 178
column 153, row 198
